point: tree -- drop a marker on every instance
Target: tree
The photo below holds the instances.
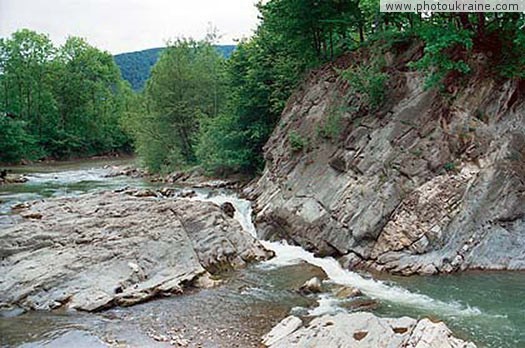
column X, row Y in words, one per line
column 67, row 101
column 184, row 90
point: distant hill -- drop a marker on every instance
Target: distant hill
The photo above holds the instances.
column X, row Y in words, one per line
column 136, row 66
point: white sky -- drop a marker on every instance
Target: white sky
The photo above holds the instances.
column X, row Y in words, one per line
column 129, row 25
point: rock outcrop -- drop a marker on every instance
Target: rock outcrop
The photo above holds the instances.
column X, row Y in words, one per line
column 422, row 185
column 362, row 330
column 103, row 249
column 12, row 179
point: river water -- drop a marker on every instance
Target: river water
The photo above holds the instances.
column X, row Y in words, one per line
column 485, row 307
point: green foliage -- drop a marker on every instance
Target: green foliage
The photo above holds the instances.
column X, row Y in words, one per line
column 260, row 75
column 221, row 149
column 513, row 60
column 441, row 43
column 368, row 81
column 67, row 100
column 185, row 90
column 450, row 167
column 15, row 143
column 136, row 66
column 293, row 36
column 297, row 142
column 331, row 127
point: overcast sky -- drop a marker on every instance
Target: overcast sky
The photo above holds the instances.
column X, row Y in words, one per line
column 129, row 25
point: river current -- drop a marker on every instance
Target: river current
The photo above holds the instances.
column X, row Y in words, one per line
column 485, row 307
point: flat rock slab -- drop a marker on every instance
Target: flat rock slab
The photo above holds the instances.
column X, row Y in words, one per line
column 103, row 249
column 362, row 330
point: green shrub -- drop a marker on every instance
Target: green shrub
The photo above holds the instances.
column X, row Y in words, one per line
column 440, row 44
column 331, row 127
column 450, row 167
column 222, row 146
column 15, row 142
column 512, row 64
column 368, row 81
column 297, row 142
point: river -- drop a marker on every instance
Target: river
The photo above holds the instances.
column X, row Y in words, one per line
column 485, row 307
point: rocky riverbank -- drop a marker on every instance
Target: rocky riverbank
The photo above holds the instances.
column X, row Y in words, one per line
column 362, row 329
column 422, row 185
column 103, row 249
column 6, row 178
column 193, row 177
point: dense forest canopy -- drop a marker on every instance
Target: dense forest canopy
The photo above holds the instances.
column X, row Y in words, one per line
column 59, row 102
column 185, row 88
column 136, row 66
column 198, row 108
column 295, row 36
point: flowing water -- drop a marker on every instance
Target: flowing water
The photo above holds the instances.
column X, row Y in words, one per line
column 486, row 307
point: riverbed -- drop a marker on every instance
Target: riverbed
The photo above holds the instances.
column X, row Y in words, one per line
column 485, row 307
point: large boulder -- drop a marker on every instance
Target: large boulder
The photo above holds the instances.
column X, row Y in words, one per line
column 422, row 185
column 7, row 178
column 311, row 286
column 103, row 249
column 362, row 330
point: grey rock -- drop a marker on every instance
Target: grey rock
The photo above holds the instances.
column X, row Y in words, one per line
column 186, row 193
column 167, row 192
column 144, row 193
column 228, row 209
column 311, row 286
column 409, row 193
column 13, row 179
column 282, row 330
column 347, row 292
column 362, row 330
column 104, row 249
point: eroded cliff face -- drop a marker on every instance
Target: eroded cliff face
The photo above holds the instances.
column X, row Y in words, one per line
column 428, row 183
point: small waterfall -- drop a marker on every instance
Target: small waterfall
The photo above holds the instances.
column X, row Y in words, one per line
column 289, row 255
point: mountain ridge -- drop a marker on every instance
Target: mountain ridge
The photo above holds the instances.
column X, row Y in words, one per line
column 135, row 66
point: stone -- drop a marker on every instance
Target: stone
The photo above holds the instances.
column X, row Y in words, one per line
column 362, row 304
column 311, row 286
column 167, row 192
column 400, row 193
column 35, row 216
column 131, row 171
column 428, row 269
column 206, row 281
column 20, row 206
column 285, row 327
column 144, row 193
column 338, row 163
column 363, row 330
column 13, row 179
column 428, row 334
column 228, row 209
column 348, row 292
column 187, row 193
column 104, row 249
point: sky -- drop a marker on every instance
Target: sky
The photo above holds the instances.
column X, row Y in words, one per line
column 129, row 25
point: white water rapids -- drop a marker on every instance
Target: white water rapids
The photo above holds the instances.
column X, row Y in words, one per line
column 286, row 255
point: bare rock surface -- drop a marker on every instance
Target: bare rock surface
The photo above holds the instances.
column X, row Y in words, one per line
column 422, row 185
column 12, row 179
column 362, row 330
column 103, row 249
column 311, row 286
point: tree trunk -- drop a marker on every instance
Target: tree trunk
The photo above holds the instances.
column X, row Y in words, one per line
column 465, row 21
column 481, row 24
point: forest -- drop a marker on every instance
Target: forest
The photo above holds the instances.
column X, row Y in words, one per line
column 201, row 109
column 136, row 66
column 59, row 102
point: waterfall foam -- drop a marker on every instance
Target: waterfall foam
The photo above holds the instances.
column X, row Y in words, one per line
column 286, row 255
